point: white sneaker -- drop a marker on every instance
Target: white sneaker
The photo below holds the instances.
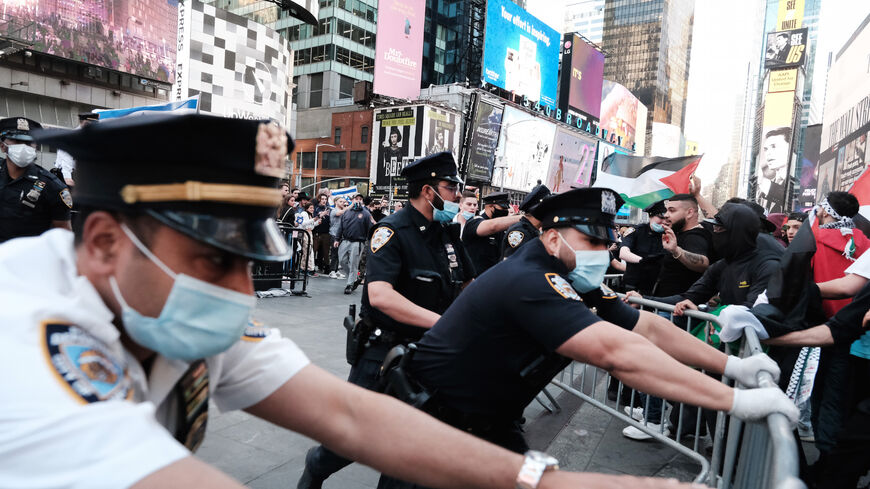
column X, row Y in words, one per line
column 637, row 434
column 332, row 275
column 340, row 276
column 634, row 413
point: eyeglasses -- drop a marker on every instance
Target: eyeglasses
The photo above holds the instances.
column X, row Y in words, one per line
column 454, row 189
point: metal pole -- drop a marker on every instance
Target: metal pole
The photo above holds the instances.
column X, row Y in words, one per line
column 316, row 147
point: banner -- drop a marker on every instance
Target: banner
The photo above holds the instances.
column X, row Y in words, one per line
column 790, row 14
column 525, row 146
column 582, row 77
column 399, row 48
column 486, row 126
column 185, row 106
column 397, row 139
column 786, row 49
column 572, row 161
column 521, row 53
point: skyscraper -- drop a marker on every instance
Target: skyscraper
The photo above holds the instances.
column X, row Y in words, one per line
column 648, row 46
column 585, row 17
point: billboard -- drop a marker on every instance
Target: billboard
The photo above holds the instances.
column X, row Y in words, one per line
column 525, row 146
column 239, row 68
column 441, row 130
column 399, row 48
column 133, row 37
column 782, row 81
column 786, row 49
column 619, row 114
column 571, row 162
column 667, row 140
column 485, row 128
column 772, row 165
column 521, row 53
column 790, row 14
column 582, row 77
column 809, row 167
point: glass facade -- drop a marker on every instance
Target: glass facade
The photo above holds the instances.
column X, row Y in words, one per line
column 453, row 41
column 648, row 46
column 585, row 17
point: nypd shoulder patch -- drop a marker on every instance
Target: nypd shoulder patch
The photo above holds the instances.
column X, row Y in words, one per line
column 562, row 286
column 514, row 238
column 607, row 292
column 380, row 238
column 255, row 331
column 66, row 197
column 85, row 365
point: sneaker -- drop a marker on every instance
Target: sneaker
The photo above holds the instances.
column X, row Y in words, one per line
column 348, row 290
column 356, row 284
column 332, row 275
column 634, row 413
column 308, row 480
column 312, row 273
column 340, row 276
column 637, row 434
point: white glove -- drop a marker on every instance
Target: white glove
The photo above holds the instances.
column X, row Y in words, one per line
column 745, row 370
column 734, row 318
column 756, row 404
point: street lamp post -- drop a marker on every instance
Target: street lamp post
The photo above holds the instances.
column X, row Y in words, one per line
column 316, row 147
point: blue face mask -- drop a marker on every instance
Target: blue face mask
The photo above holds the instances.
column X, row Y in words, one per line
column 198, row 320
column 449, row 211
column 467, row 215
column 656, row 227
column 589, row 268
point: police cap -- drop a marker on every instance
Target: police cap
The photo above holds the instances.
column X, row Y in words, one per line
column 501, row 199
column 169, row 167
column 656, row 209
column 588, row 210
column 438, row 166
column 18, row 128
column 534, row 198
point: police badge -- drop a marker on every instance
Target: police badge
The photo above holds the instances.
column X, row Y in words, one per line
column 515, row 238
column 380, row 238
column 608, row 202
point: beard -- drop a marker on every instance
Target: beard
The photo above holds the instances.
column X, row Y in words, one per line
column 679, row 226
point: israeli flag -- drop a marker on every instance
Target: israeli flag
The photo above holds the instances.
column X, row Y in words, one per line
column 346, row 192
column 184, row 106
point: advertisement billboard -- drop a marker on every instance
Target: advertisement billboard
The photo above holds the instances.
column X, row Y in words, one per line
column 525, row 146
column 238, row 67
column 786, row 49
column 572, row 161
column 790, row 14
column 133, row 37
column 619, row 113
column 809, row 167
column 399, row 48
column 485, row 128
column 582, row 77
column 441, row 129
column 782, row 81
column 521, row 53
column 772, row 165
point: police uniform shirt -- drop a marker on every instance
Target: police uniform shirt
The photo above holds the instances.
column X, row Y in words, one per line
column 76, row 409
column 521, row 232
column 31, row 202
column 423, row 260
column 521, row 309
column 483, row 250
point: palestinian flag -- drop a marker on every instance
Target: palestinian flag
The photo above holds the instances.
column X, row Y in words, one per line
column 861, row 190
column 644, row 180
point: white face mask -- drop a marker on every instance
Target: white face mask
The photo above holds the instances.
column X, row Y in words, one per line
column 22, row 155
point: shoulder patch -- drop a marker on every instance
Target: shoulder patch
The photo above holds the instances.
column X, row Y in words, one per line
column 66, row 197
column 607, row 292
column 562, row 286
column 255, row 331
column 380, row 238
column 514, row 238
column 85, row 365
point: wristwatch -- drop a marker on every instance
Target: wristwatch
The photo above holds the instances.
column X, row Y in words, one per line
column 534, row 466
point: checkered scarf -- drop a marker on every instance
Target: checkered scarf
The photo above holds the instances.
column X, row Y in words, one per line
column 844, row 224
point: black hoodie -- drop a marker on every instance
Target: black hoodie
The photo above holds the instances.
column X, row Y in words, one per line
column 742, row 273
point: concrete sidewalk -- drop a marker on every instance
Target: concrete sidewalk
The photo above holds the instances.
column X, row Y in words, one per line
column 262, row 455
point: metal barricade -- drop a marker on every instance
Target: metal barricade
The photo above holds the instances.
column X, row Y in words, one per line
column 269, row 275
column 752, row 455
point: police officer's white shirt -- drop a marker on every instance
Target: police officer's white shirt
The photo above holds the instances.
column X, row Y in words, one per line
column 50, row 435
column 65, row 163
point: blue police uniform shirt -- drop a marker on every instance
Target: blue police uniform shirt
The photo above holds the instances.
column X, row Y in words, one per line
column 519, row 310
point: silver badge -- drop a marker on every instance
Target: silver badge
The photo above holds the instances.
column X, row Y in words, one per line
column 608, row 202
column 23, row 125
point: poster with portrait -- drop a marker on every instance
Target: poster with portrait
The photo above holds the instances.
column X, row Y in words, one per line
column 785, row 49
column 442, row 132
column 826, row 179
column 397, row 140
column 853, row 163
column 572, row 161
column 484, row 140
column 772, row 168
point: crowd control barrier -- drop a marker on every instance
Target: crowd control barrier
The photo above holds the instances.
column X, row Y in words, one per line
column 273, row 275
column 732, row 454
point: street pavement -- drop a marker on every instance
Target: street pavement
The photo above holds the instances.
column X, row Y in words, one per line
column 265, row 456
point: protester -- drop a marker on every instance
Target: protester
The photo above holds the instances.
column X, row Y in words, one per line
column 642, row 251
column 467, row 208
column 322, row 239
column 334, row 225
column 307, row 220
column 353, row 230
column 792, row 224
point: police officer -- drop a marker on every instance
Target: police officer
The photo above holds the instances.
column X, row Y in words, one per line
column 483, row 233
column 32, row 200
column 417, row 266
column 642, row 251
column 116, row 337
column 486, row 358
column 528, row 227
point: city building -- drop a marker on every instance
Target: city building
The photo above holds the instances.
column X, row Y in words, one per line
column 453, row 41
column 585, row 17
column 334, row 147
column 648, row 46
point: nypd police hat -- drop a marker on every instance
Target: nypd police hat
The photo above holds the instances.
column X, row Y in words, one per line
column 588, row 210
column 534, row 197
column 169, row 167
column 501, row 199
column 438, row 166
column 656, row 208
column 18, row 128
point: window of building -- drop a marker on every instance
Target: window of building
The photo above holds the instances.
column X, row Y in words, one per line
column 316, row 95
column 345, row 87
column 363, row 136
column 334, row 160
column 306, row 160
column 358, row 158
column 337, row 138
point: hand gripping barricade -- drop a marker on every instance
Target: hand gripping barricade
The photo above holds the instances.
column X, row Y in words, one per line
column 273, row 275
column 744, row 455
